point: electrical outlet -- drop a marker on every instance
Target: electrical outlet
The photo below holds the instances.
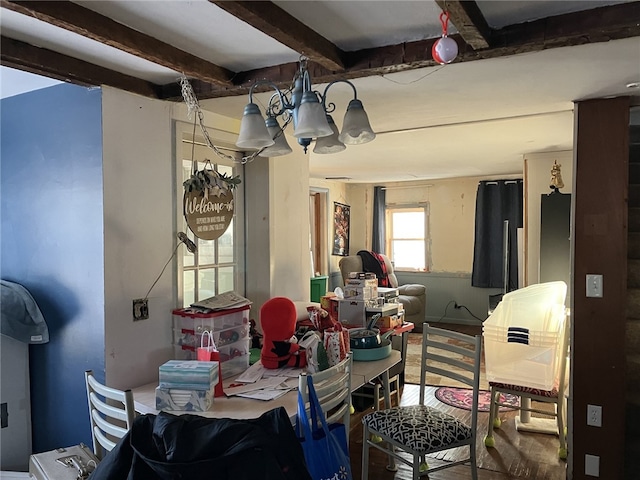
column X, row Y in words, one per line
column 140, row 309
column 594, row 415
column 592, row 465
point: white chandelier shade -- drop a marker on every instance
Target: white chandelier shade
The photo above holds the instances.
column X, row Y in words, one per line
column 312, row 119
column 356, row 129
column 281, row 146
column 253, row 131
column 330, row 143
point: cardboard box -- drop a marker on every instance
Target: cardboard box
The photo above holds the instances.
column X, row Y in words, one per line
column 352, row 292
column 361, row 276
column 351, row 313
column 325, row 301
column 188, row 374
column 183, row 399
column 389, row 321
column 390, row 295
column 361, row 288
column 333, row 308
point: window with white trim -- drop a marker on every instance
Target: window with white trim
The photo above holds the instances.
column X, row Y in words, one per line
column 407, row 236
column 217, row 266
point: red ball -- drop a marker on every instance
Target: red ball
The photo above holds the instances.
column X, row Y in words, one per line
column 444, row 50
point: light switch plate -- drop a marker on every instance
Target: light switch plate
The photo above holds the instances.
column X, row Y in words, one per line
column 594, row 286
column 592, row 465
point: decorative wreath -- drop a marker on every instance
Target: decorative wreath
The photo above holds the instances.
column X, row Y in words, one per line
column 207, row 181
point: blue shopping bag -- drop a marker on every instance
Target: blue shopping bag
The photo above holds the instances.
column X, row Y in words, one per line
column 325, row 446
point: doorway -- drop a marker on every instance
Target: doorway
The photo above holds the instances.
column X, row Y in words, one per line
column 318, row 199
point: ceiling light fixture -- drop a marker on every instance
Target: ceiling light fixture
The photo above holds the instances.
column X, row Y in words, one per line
column 311, row 116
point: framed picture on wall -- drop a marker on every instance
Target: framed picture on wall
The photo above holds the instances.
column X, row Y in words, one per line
column 341, row 219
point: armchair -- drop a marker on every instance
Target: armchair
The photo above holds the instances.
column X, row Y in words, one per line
column 413, row 296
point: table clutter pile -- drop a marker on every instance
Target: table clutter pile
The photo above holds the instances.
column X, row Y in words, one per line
column 218, row 331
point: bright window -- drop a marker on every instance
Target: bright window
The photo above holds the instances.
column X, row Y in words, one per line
column 216, row 266
column 407, row 240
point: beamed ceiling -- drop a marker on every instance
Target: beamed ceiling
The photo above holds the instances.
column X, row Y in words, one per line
column 56, row 38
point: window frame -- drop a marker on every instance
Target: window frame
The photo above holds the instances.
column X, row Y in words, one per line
column 183, row 134
column 390, row 209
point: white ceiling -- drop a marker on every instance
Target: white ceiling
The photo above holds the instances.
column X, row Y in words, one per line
column 464, row 119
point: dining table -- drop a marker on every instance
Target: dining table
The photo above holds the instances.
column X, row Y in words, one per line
column 236, row 407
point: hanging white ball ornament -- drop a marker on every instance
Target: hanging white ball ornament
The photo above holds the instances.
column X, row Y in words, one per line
column 444, row 50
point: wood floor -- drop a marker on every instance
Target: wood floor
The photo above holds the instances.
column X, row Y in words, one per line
column 516, row 455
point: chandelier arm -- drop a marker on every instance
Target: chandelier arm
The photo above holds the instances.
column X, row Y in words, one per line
column 326, row 89
column 285, row 105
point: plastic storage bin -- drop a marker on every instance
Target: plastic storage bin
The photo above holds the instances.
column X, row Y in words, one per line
column 523, row 336
column 230, row 330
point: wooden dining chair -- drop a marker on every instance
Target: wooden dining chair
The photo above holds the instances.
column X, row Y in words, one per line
column 111, row 412
column 420, row 430
column 333, row 387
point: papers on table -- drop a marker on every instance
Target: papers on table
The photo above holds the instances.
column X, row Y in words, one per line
column 262, row 383
column 226, row 300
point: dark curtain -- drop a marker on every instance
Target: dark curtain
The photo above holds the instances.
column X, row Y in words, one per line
column 496, row 202
column 379, row 205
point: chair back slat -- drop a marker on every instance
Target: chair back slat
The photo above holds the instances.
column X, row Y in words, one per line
column 464, row 369
column 111, row 412
column 333, row 387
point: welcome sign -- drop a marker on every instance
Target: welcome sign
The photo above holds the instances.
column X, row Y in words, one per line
column 208, row 217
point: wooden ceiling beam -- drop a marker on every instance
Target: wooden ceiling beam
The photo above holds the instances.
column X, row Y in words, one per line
column 469, row 20
column 279, row 25
column 85, row 22
column 23, row 56
column 592, row 26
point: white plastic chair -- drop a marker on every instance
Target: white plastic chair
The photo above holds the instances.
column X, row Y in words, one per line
column 556, row 396
column 111, row 412
column 419, row 429
column 333, row 387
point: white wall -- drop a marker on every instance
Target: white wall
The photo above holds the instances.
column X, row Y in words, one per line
column 289, row 210
column 536, row 183
column 140, row 213
column 139, row 225
column 452, row 205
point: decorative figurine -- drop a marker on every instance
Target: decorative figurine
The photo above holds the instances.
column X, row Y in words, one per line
column 556, row 182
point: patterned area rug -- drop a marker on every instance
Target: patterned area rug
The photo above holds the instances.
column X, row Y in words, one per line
column 461, row 398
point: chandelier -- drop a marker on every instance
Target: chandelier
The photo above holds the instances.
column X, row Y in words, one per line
column 310, row 113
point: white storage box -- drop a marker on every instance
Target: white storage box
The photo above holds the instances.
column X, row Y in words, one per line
column 230, row 330
column 234, row 357
column 198, row 320
column 523, row 336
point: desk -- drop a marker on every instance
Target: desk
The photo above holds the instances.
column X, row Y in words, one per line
column 242, row 408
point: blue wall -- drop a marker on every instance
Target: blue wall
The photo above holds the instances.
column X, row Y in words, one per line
column 52, row 243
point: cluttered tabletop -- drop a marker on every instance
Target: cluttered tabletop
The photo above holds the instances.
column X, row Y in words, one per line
column 224, row 368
